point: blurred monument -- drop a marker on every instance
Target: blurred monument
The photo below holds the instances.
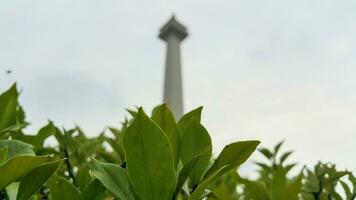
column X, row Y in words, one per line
column 173, row 33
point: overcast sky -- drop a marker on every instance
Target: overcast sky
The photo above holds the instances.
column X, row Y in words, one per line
column 262, row 69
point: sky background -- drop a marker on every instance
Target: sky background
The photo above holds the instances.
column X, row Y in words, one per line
column 262, row 69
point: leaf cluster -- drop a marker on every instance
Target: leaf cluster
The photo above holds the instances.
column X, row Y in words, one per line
column 149, row 157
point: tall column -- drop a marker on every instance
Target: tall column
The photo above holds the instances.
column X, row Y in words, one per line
column 173, row 33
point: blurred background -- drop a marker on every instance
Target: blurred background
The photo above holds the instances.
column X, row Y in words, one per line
column 267, row 70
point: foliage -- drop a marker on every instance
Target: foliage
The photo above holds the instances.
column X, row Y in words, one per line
column 148, row 157
column 275, row 183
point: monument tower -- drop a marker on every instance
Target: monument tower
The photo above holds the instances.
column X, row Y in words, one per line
column 173, row 33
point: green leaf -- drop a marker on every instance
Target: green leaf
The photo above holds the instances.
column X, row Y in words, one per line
column 117, row 147
column 185, row 121
column 254, row 189
column 114, row 178
column 8, row 107
column 108, row 156
column 278, row 183
column 62, row 189
column 184, row 173
column 94, row 191
column 116, row 132
column 346, row 188
column 38, row 139
column 132, row 112
column 15, row 168
column 285, row 156
column 165, row 120
column 83, row 178
column 198, row 192
column 264, row 166
column 43, row 134
column 16, row 147
column 293, row 189
column 222, row 192
column 149, row 158
column 233, row 155
column 196, row 141
column 267, row 153
column 3, row 154
column 277, row 147
column 32, row 182
column 290, row 166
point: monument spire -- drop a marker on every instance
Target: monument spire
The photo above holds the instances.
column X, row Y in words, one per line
column 173, row 33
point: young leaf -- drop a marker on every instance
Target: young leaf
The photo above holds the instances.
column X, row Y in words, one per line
column 267, row 153
column 12, row 170
column 94, row 191
column 8, row 107
column 277, row 147
column 185, row 121
column 62, row 189
column 196, row 141
column 264, row 166
column 233, row 155
column 165, row 120
column 114, row 178
column 285, row 156
column 43, row 134
column 149, row 157
column 32, row 182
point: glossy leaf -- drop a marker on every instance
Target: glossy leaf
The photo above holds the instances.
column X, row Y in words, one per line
column 149, row 157
column 198, row 192
column 165, row 120
column 33, row 181
column 114, row 178
column 185, row 121
column 15, row 168
column 184, row 173
column 233, row 155
column 196, row 141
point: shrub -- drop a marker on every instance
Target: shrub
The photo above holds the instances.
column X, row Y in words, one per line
column 149, row 158
column 152, row 157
